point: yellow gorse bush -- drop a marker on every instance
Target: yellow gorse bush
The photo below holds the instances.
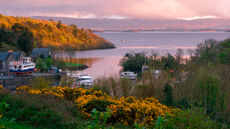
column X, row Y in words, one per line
column 127, row 110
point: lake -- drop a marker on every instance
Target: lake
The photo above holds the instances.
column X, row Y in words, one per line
column 105, row 62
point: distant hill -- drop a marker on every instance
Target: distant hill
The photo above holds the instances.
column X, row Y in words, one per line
column 17, row 31
column 148, row 24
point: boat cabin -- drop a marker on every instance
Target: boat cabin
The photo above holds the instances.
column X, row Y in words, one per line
column 26, row 60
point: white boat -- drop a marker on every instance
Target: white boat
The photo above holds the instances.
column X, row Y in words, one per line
column 128, row 75
column 25, row 66
column 80, row 79
column 72, row 74
column 84, row 80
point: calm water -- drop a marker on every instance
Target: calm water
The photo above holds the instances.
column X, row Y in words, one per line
column 106, row 62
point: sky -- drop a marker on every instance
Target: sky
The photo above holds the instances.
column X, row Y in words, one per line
column 119, row 9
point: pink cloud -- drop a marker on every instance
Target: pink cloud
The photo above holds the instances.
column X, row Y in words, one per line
column 172, row 9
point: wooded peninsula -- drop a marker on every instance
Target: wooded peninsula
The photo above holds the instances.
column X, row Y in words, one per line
column 24, row 33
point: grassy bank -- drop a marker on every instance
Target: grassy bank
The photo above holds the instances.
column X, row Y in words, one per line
column 75, row 66
column 44, row 64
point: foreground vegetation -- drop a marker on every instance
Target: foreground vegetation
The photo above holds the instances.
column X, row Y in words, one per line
column 62, row 107
column 127, row 110
column 29, row 111
column 201, row 82
column 22, row 33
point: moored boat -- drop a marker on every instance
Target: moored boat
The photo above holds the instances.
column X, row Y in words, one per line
column 25, row 66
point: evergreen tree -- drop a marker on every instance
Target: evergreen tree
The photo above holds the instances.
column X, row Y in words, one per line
column 133, row 62
column 25, row 42
column 59, row 24
column 49, row 62
column 168, row 95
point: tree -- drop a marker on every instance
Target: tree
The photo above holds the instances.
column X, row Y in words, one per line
column 51, row 20
column 133, row 63
column 59, row 24
column 26, row 41
column 168, row 95
column 8, row 37
column 168, row 62
column 6, row 47
column 41, row 64
column 17, row 27
column 49, row 62
column 179, row 55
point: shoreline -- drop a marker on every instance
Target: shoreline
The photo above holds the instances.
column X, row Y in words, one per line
column 60, row 50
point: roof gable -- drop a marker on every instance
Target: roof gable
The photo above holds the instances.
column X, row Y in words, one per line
column 40, row 51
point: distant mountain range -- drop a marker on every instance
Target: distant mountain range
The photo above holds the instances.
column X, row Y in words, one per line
column 145, row 24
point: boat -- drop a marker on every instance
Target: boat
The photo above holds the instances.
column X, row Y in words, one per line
column 122, row 40
column 73, row 74
column 128, row 75
column 84, row 80
column 25, row 66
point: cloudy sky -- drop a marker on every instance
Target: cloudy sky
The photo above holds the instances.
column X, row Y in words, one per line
column 145, row 9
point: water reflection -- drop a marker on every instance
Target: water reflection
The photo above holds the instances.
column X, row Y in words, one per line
column 87, row 61
column 98, row 67
column 104, row 67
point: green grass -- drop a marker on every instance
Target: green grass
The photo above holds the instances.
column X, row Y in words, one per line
column 72, row 64
column 75, row 66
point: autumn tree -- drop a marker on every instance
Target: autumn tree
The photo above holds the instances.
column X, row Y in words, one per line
column 48, row 34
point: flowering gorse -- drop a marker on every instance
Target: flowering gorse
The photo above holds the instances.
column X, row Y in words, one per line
column 127, row 110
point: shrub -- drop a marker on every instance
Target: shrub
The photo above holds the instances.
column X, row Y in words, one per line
column 41, row 111
column 195, row 118
column 168, row 95
column 41, row 64
column 127, row 110
column 40, row 83
column 98, row 119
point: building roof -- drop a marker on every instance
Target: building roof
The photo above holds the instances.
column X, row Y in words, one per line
column 37, row 52
column 16, row 55
column 4, row 56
